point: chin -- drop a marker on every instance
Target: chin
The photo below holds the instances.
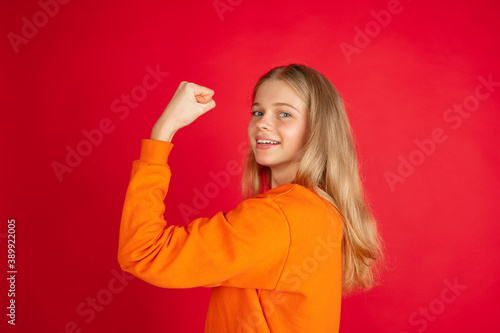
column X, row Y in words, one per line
column 264, row 162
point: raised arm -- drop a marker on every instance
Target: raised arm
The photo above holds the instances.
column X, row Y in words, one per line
column 233, row 249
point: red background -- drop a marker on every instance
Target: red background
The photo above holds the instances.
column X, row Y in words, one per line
column 440, row 224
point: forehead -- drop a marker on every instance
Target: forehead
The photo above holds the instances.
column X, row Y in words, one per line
column 278, row 91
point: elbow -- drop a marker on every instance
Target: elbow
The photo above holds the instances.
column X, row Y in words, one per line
column 128, row 254
column 130, row 263
column 121, row 260
column 124, row 267
column 146, row 271
column 124, row 260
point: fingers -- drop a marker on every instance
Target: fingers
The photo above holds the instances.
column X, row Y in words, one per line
column 207, row 93
column 210, row 105
column 201, row 99
column 207, row 106
column 201, row 93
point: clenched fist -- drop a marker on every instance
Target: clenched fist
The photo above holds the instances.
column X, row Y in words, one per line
column 188, row 103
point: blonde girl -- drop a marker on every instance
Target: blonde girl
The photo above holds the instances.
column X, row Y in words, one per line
column 303, row 235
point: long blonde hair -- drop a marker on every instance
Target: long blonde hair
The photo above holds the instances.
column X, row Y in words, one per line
column 327, row 165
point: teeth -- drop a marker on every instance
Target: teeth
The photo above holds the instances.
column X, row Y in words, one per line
column 267, row 142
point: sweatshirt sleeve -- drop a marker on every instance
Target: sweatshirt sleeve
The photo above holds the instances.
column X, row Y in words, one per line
column 246, row 247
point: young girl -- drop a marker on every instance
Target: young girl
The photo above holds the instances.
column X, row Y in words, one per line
column 303, row 235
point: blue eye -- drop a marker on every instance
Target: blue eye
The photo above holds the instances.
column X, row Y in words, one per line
column 287, row 114
column 254, row 113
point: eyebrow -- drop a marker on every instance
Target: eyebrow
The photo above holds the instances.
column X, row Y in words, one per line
column 279, row 104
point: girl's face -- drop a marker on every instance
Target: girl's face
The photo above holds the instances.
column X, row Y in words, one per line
column 277, row 130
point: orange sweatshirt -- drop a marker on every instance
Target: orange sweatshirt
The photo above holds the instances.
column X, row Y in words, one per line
column 274, row 262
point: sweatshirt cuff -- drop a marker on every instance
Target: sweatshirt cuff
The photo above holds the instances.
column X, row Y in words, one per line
column 155, row 151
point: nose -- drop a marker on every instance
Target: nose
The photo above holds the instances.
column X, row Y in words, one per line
column 264, row 123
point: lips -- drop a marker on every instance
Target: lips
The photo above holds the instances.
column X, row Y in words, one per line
column 266, row 143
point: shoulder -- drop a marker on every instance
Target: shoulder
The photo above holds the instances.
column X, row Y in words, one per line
column 296, row 199
column 268, row 206
column 303, row 203
column 282, row 202
column 283, row 190
column 293, row 193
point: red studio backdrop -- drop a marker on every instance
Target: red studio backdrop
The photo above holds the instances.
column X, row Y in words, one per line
column 84, row 81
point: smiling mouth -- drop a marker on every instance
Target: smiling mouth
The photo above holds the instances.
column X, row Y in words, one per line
column 267, row 142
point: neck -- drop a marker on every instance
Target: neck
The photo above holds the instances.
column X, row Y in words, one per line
column 282, row 176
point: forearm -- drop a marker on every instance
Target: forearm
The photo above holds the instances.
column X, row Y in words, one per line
column 164, row 130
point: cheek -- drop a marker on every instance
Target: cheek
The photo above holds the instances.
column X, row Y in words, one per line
column 303, row 134
column 250, row 129
column 294, row 135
